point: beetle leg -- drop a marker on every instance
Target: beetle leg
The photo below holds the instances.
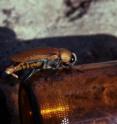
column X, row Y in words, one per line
column 45, row 64
column 54, row 64
column 30, row 73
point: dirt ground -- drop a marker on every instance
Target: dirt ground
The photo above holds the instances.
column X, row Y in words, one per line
column 36, row 19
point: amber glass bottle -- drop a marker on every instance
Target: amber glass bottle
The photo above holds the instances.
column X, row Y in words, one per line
column 68, row 96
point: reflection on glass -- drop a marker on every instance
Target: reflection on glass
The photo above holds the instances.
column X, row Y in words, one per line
column 55, row 111
column 78, row 97
column 65, row 121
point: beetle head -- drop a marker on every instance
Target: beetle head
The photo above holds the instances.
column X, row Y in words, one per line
column 68, row 58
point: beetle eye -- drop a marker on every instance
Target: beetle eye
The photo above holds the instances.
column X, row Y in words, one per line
column 73, row 59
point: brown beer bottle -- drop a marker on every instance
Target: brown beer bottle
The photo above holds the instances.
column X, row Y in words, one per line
column 68, row 96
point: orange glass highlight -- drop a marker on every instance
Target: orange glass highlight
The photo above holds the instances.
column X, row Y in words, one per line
column 59, row 110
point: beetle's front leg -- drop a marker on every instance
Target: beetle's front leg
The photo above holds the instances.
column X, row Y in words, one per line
column 54, row 64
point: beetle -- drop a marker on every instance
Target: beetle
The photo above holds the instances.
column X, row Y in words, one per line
column 41, row 58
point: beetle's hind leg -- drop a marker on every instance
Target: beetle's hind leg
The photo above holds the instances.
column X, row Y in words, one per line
column 29, row 73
